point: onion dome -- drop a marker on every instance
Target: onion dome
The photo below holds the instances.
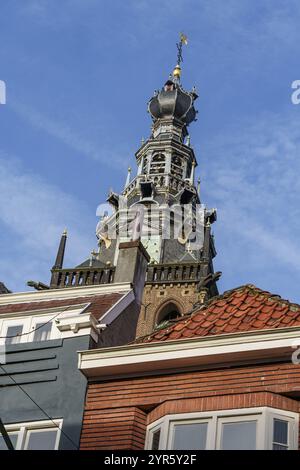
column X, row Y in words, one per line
column 173, row 102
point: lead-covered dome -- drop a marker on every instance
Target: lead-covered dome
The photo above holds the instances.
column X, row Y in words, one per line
column 173, row 101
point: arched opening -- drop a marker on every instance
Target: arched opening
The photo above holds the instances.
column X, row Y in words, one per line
column 158, row 164
column 168, row 312
column 177, row 166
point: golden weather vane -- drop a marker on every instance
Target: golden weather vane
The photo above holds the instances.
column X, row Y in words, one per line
column 183, row 41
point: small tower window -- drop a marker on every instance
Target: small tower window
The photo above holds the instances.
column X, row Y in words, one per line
column 169, row 312
column 158, row 163
column 145, row 166
column 177, row 166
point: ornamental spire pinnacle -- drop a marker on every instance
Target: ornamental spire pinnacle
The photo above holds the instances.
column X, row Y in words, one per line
column 177, row 70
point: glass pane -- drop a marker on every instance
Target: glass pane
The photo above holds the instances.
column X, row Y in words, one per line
column 279, row 447
column 239, row 436
column 13, row 438
column 190, row 436
column 280, row 431
column 42, row 332
column 155, row 440
column 41, row 440
column 11, row 334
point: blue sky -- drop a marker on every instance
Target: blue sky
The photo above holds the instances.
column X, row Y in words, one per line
column 79, row 74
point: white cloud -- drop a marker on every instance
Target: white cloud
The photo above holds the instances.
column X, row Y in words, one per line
column 33, row 215
column 62, row 132
column 252, row 178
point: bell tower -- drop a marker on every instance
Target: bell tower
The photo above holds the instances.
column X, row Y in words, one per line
column 181, row 273
column 160, row 207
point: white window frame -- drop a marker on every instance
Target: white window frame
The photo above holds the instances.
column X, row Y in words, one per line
column 263, row 415
column 257, row 418
column 29, row 324
column 22, row 430
column 206, row 420
column 55, row 333
column 61, row 318
column 293, row 428
column 6, row 323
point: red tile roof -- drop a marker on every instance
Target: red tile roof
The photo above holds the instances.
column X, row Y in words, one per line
column 245, row 308
column 100, row 304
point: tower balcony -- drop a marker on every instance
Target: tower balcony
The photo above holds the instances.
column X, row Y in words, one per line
column 161, row 182
column 185, row 273
column 85, row 276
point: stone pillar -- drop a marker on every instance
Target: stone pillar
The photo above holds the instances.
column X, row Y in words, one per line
column 140, row 167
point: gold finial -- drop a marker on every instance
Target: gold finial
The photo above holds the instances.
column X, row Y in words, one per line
column 177, row 72
column 65, row 232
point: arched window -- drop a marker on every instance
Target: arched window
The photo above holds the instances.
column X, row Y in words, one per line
column 158, row 163
column 177, row 166
column 169, row 312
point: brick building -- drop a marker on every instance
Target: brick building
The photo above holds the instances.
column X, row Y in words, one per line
column 221, row 377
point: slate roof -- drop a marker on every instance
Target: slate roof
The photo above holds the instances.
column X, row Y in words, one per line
column 245, row 308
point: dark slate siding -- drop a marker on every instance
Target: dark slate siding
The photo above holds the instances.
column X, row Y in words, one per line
column 48, row 372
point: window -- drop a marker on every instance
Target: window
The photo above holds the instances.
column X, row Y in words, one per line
column 244, row 429
column 41, row 326
column 158, row 164
column 42, row 331
column 13, row 334
column 169, row 312
column 177, row 166
column 189, row 436
column 41, row 435
column 238, row 435
column 41, row 439
column 280, row 434
column 28, row 329
column 13, row 438
column 155, row 439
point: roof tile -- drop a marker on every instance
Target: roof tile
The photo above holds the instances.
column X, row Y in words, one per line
column 243, row 309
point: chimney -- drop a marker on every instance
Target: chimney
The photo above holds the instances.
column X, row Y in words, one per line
column 132, row 265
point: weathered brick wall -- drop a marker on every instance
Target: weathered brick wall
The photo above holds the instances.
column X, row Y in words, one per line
column 121, row 401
